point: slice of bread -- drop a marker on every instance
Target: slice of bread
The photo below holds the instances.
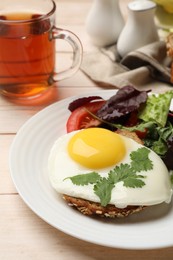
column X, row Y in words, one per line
column 92, row 208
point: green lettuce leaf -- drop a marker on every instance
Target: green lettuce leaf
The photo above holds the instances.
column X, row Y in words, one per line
column 157, row 108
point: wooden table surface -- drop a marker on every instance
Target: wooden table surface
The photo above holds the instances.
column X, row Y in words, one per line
column 23, row 235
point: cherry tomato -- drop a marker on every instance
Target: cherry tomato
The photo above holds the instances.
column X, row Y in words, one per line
column 133, row 119
column 80, row 118
column 141, row 134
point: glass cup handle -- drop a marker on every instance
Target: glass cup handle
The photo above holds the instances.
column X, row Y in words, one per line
column 76, row 45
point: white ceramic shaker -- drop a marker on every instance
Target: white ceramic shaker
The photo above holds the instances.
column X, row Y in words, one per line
column 139, row 29
column 104, row 22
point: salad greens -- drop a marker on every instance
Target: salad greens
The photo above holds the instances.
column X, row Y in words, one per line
column 154, row 123
column 124, row 102
column 137, row 111
column 157, row 108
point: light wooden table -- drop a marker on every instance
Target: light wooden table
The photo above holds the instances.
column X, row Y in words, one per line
column 23, row 235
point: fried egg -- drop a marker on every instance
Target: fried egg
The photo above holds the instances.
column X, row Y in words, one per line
column 100, row 150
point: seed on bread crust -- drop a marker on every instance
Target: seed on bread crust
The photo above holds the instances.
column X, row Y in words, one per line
column 92, row 208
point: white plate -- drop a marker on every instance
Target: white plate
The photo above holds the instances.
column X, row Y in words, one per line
column 152, row 228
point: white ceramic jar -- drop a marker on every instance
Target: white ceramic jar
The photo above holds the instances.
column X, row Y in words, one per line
column 140, row 28
column 104, row 22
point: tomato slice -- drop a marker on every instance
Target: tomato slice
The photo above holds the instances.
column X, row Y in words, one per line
column 80, row 118
column 141, row 134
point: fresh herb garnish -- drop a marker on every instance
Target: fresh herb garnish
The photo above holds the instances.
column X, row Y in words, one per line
column 103, row 190
column 126, row 173
column 85, row 179
column 140, row 160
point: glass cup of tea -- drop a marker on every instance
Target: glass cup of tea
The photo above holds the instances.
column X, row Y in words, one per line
column 27, row 48
column 164, row 17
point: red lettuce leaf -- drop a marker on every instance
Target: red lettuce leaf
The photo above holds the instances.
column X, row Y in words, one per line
column 81, row 102
column 125, row 101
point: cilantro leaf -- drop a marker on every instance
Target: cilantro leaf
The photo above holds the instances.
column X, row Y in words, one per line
column 103, row 190
column 126, row 174
column 133, row 181
column 85, row 179
column 140, row 160
column 119, row 173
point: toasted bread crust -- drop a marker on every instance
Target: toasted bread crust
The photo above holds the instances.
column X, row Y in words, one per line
column 129, row 134
column 92, row 208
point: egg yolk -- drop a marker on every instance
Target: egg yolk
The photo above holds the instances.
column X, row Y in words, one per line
column 96, row 148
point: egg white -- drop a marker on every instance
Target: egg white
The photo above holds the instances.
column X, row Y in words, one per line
column 157, row 187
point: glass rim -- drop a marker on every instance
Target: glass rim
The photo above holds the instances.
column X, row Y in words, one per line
column 32, row 20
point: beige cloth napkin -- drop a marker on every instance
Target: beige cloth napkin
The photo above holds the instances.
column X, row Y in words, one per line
column 139, row 68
